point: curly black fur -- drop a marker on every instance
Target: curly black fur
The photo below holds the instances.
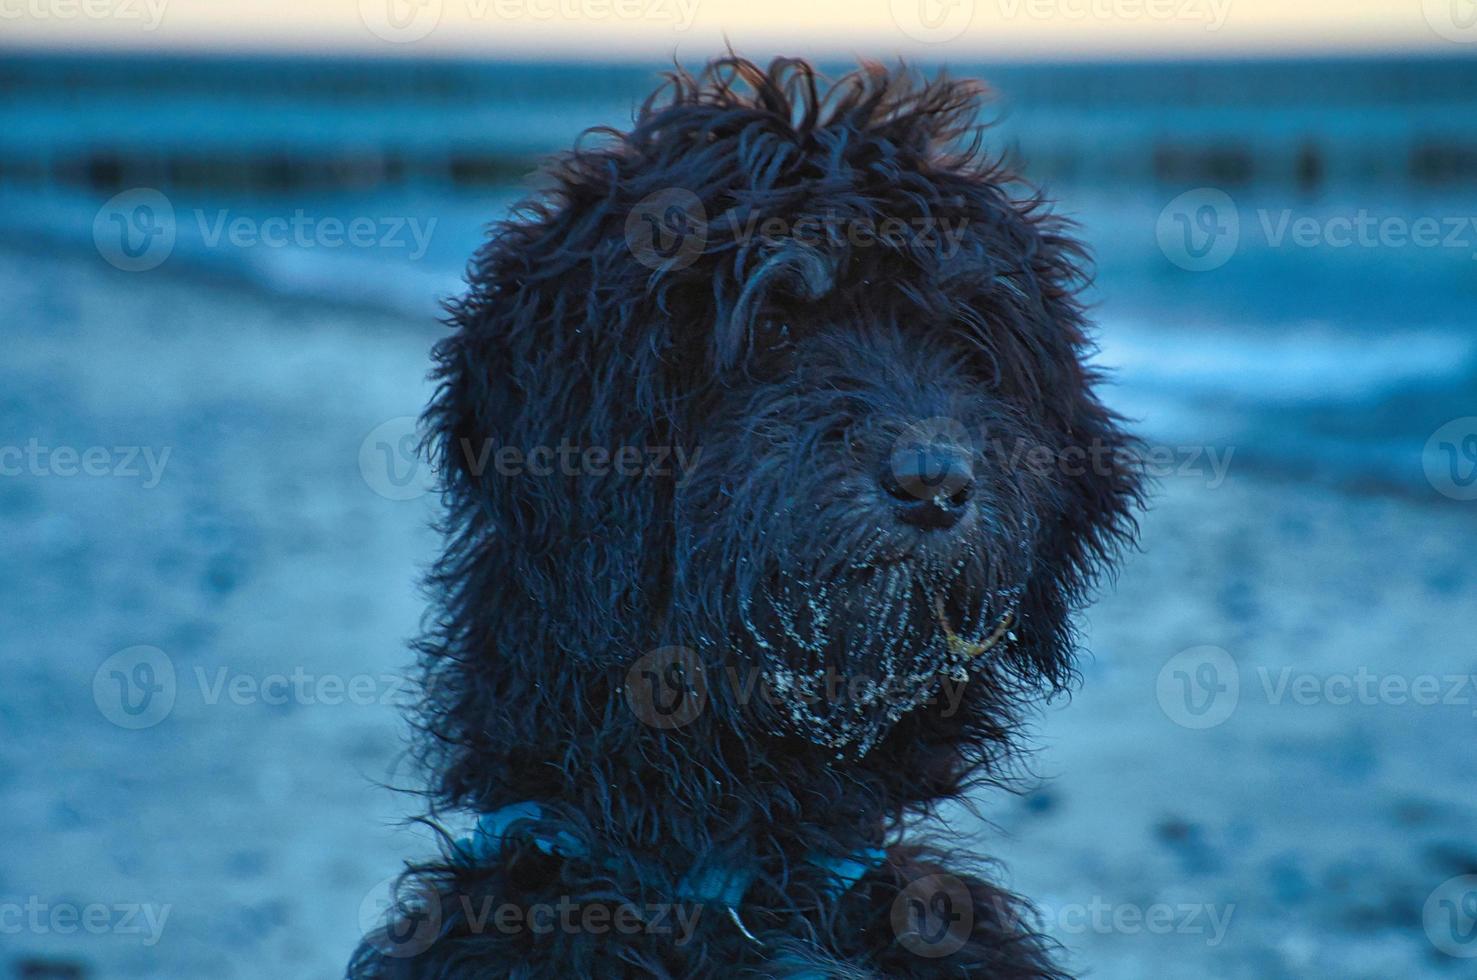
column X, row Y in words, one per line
column 784, row 368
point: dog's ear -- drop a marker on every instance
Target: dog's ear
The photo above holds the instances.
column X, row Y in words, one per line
column 1096, row 473
column 549, row 429
column 1082, row 534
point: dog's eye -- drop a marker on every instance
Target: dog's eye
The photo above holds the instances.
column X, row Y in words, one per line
column 772, row 336
column 774, row 348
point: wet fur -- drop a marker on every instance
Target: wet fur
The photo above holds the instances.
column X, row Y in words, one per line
column 782, row 364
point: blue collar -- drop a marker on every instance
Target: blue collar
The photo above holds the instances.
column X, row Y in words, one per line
column 710, row 884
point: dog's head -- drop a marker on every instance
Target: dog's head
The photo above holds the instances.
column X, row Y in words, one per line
column 791, row 382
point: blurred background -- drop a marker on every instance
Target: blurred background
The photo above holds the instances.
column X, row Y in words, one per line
column 224, row 232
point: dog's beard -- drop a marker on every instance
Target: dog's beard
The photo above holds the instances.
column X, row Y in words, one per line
column 845, row 657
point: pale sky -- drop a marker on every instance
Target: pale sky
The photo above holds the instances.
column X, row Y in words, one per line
column 930, row 29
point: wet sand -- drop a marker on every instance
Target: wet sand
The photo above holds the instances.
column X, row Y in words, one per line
column 265, row 554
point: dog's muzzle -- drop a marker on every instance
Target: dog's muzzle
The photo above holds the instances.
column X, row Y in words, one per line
column 862, row 678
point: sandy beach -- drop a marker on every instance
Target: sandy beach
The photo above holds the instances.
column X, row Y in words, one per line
column 1240, row 810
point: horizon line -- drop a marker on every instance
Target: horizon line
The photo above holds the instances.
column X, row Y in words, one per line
column 635, row 56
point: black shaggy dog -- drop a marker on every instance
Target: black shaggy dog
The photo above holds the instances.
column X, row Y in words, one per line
column 774, row 474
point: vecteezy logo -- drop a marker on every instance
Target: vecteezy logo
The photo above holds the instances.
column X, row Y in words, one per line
column 134, row 231
column 933, row 21
column 1450, row 459
column 1455, row 20
column 135, row 688
column 1450, row 916
column 930, row 459
column 390, row 461
column 667, row 687
column 400, row 918
column 1199, row 687
column 1199, row 230
column 400, row 21
column 667, row 229
column 933, row 916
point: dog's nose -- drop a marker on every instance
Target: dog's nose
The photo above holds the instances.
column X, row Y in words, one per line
column 930, row 484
